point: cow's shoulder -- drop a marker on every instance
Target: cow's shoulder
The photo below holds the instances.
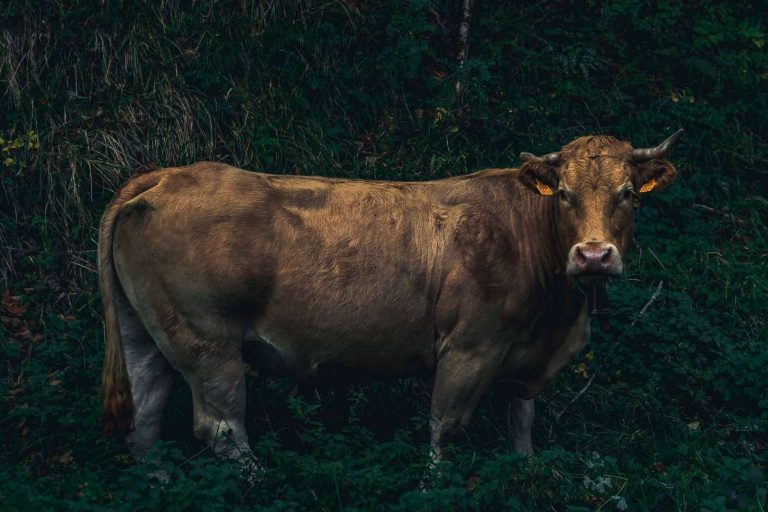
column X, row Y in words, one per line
column 481, row 243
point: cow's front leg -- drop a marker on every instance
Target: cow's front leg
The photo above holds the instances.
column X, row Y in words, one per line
column 520, row 423
column 518, row 414
column 461, row 379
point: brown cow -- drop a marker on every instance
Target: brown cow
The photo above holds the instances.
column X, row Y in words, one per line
column 471, row 280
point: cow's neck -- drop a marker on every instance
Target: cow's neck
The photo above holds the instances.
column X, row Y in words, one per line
column 543, row 257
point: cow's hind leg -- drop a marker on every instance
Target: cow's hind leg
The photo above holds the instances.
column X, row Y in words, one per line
column 218, row 394
column 206, row 351
column 208, row 357
column 151, row 377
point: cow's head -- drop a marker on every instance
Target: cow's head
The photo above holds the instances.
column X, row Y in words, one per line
column 596, row 183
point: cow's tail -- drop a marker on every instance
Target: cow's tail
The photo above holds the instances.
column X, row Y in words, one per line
column 116, row 400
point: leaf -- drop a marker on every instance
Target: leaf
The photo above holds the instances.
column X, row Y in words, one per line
column 65, row 458
column 11, row 304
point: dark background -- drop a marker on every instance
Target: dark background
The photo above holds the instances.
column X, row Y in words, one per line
column 675, row 417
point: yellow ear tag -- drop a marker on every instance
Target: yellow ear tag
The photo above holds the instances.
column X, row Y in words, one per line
column 648, row 186
column 543, row 189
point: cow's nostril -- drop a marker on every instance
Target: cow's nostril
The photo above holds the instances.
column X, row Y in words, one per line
column 581, row 259
column 606, row 258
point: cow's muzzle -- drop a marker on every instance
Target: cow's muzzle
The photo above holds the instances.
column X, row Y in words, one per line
column 594, row 260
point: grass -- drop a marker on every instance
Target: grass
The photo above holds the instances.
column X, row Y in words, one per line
column 675, row 418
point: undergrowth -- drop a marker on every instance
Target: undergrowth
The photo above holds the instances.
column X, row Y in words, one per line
column 665, row 412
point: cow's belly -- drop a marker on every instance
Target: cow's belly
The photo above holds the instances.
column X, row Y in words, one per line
column 347, row 302
column 351, row 350
column 531, row 364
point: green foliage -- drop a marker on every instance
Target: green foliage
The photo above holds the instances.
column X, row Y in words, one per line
column 15, row 150
column 675, row 418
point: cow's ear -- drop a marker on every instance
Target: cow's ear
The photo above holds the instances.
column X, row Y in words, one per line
column 654, row 176
column 538, row 176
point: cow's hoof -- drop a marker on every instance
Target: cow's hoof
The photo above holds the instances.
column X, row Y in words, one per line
column 524, row 449
column 159, row 478
column 433, row 473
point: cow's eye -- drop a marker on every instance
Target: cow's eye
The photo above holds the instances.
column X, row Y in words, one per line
column 562, row 194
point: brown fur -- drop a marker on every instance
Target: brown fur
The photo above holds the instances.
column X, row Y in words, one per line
column 465, row 279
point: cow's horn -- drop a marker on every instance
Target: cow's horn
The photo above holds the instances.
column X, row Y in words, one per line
column 551, row 158
column 660, row 151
